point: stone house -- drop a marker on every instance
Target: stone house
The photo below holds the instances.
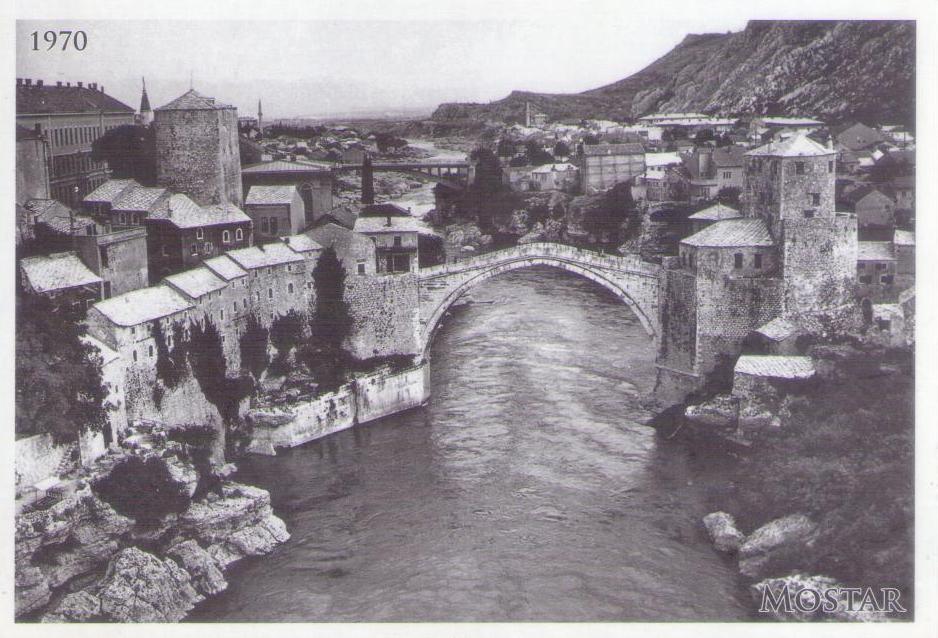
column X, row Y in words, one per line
column 63, row 278
column 728, row 167
column 873, row 208
column 858, row 137
column 757, row 375
column 779, row 336
column 876, row 271
column 355, row 251
column 602, row 166
column 395, row 241
column 903, row 242
column 718, row 212
column 554, row 177
column 315, row 182
column 181, row 233
column 123, row 203
column 275, row 211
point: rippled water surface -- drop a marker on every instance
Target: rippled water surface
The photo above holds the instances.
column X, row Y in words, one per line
column 528, row 489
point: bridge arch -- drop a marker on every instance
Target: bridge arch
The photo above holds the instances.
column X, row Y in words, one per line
column 431, row 323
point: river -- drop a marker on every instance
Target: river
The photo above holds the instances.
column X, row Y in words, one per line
column 528, row 488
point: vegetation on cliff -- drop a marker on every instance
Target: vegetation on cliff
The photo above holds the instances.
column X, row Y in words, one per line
column 844, row 457
column 59, row 389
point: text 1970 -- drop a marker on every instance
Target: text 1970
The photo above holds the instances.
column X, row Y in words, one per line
column 64, row 37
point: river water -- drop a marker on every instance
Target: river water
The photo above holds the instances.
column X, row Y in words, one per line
column 528, row 488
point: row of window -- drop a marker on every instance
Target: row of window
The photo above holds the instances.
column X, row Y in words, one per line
column 225, row 235
column 801, row 168
column 738, row 260
column 74, row 135
column 64, row 165
column 269, row 225
column 883, row 279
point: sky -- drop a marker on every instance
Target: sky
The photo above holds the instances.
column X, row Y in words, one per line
column 330, row 67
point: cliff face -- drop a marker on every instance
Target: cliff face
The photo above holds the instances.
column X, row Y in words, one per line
column 831, row 69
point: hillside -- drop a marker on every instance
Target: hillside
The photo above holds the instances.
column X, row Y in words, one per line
column 831, row 69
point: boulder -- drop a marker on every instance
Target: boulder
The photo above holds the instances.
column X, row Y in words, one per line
column 206, row 577
column 269, row 417
column 139, row 587
column 723, row 532
column 718, row 413
column 183, row 473
column 79, row 606
column 756, row 553
column 795, row 583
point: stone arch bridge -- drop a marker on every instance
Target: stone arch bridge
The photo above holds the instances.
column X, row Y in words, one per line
column 631, row 279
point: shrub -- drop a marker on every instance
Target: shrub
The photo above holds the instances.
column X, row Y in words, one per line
column 142, row 490
column 253, row 344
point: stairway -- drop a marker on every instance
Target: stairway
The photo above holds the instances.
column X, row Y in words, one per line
column 69, row 460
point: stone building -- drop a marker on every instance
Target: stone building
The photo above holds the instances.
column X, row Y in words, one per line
column 70, row 118
column 395, row 240
column 703, row 218
column 602, row 166
column 181, row 233
column 790, row 256
column 315, row 182
column 873, row 208
column 197, row 150
column 63, row 278
column 275, row 211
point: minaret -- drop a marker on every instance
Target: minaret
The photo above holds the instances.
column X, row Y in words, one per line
column 368, row 183
column 260, row 117
column 146, row 114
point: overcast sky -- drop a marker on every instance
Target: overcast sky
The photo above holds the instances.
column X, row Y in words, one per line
column 320, row 67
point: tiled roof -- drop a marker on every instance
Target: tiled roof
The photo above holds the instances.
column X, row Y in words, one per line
column 778, row 329
column 340, row 215
column 138, row 198
column 628, row 148
column 860, row 192
column 670, row 116
column 225, row 267
column 283, row 166
column 142, row 305
column 384, row 209
column 57, row 216
column 746, row 231
column 903, row 238
column 874, row 251
column 775, row 366
column 661, row 159
column 109, row 191
column 182, row 212
column 859, row 136
column 791, row 121
column 272, row 254
column 550, row 168
column 50, row 99
column 192, row 100
column 49, row 273
column 302, row 243
column 271, row 195
column 716, row 213
column 372, row 225
column 196, row 282
column 799, row 145
column 728, row 156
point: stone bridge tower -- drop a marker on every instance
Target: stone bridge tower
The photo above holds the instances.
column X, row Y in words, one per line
column 790, row 184
column 197, row 149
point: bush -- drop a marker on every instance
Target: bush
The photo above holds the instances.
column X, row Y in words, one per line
column 253, row 345
column 142, row 490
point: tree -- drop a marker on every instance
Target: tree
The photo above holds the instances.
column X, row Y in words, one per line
column 605, row 215
column 130, row 152
column 505, row 148
column 331, row 323
column 536, row 154
column 253, row 346
column 143, row 490
column 488, row 173
column 207, row 358
column 59, row 388
column 368, row 182
column 561, row 149
column 285, row 334
column 729, row 195
column 703, row 136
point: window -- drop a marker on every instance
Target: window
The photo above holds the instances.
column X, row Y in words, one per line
column 757, row 261
column 225, row 236
column 133, row 330
column 861, row 266
column 270, row 293
column 209, row 248
column 104, row 259
column 239, row 235
column 273, row 225
column 799, row 168
column 883, row 324
column 880, row 266
column 149, row 351
column 738, row 260
column 830, row 166
column 235, row 306
column 165, row 250
column 195, row 249
column 135, row 356
column 221, row 314
column 244, row 303
column 200, row 233
column 886, row 279
column 257, row 296
column 397, row 241
column 727, row 175
column 265, row 226
column 815, row 199
column 361, row 267
column 866, row 279
column 808, row 214
column 290, row 288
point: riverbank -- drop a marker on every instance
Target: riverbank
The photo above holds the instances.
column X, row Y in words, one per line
column 137, row 537
column 825, row 481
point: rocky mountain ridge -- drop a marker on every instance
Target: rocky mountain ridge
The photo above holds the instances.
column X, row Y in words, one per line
column 837, row 70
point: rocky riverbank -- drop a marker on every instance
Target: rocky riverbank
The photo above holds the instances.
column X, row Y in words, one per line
column 78, row 559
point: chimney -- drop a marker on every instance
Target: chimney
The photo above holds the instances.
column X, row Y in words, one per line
column 38, row 128
column 68, row 84
column 29, row 82
column 79, row 84
column 38, row 82
column 93, row 86
column 58, row 83
column 388, row 222
column 102, row 88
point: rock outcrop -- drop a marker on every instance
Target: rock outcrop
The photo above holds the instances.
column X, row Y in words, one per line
column 79, row 560
column 723, row 532
column 756, row 554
